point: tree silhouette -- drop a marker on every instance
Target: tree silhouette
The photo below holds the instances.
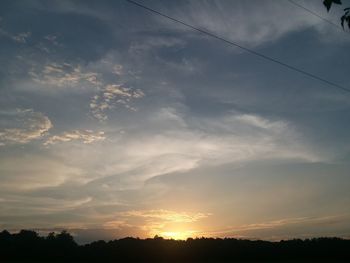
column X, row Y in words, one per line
column 28, row 246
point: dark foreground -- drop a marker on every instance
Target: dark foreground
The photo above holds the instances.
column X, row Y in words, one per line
column 29, row 246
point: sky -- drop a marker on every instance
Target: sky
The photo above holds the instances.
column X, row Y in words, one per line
column 117, row 122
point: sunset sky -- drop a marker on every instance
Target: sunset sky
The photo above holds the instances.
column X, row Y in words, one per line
column 117, row 122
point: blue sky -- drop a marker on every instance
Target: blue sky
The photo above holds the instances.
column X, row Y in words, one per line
column 116, row 122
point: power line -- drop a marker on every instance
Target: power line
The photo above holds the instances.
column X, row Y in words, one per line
column 315, row 14
column 240, row 46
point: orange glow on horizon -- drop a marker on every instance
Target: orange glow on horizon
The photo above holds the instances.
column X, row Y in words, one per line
column 177, row 235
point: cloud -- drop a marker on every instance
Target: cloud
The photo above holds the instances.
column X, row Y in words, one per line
column 259, row 122
column 172, row 143
column 115, row 224
column 309, row 226
column 63, row 75
column 42, row 205
column 245, row 22
column 166, row 215
column 25, row 172
column 107, row 82
column 53, row 39
column 271, row 224
column 118, row 69
column 19, row 37
column 110, row 96
column 157, row 222
column 22, row 126
column 149, row 43
column 167, row 142
column 87, row 136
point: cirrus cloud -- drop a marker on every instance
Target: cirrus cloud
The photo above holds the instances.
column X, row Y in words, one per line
column 22, row 126
column 166, row 215
column 63, row 75
column 87, row 136
column 110, row 96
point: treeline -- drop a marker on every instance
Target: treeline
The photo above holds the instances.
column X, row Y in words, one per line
column 29, row 246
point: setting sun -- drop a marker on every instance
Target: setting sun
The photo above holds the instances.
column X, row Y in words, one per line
column 177, row 235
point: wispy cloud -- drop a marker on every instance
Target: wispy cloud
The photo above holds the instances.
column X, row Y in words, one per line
column 259, row 122
column 168, row 142
column 44, row 206
column 116, row 224
column 22, row 126
column 145, row 45
column 86, row 136
column 172, row 143
column 157, row 222
column 63, row 75
column 110, row 96
column 21, row 37
column 246, row 22
column 53, row 39
column 16, row 37
column 40, row 171
column 166, row 215
column 249, row 230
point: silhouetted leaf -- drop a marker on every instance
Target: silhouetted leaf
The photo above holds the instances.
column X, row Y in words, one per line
column 328, row 3
column 342, row 20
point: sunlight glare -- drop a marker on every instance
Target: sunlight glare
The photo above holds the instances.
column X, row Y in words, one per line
column 177, row 235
